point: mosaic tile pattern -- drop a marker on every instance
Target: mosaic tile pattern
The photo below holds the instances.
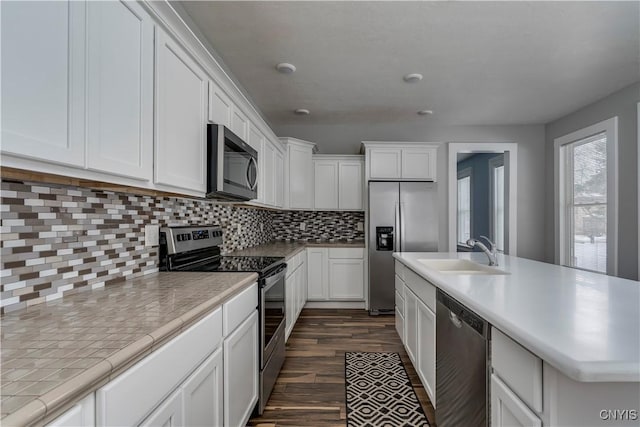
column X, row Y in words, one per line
column 320, row 225
column 56, row 239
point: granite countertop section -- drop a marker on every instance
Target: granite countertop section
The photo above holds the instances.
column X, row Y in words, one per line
column 584, row 324
column 287, row 250
column 56, row 353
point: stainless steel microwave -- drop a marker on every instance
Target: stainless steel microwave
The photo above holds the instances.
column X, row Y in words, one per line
column 232, row 166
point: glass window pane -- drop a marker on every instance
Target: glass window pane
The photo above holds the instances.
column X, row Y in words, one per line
column 464, row 209
column 590, row 237
column 498, row 207
column 590, row 171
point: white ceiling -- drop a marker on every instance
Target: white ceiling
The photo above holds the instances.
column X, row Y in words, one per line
column 484, row 63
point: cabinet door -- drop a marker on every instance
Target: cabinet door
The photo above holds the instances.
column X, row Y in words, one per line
column 279, row 181
column 411, row 324
column 426, row 344
column 181, row 99
column 168, row 414
column 418, row 163
column 241, row 372
column 346, row 279
column 385, row 163
column 350, row 185
column 302, row 287
column 269, row 178
column 43, row 80
column 256, row 141
column 290, row 288
column 82, row 414
column 300, row 177
column 325, row 184
column 220, row 106
column 507, row 410
column 239, row 123
column 202, row 397
column 317, row 274
column 120, row 89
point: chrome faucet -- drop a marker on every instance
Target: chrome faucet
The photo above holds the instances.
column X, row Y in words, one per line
column 490, row 252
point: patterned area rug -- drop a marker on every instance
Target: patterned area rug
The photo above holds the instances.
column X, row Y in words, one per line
column 379, row 392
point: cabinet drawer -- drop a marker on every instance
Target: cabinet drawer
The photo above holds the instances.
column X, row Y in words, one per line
column 520, row 369
column 354, row 253
column 400, row 269
column 399, row 303
column 130, row 397
column 424, row 290
column 239, row 308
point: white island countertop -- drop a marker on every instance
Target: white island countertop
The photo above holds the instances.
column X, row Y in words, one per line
column 586, row 325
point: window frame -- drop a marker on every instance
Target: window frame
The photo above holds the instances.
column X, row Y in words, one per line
column 495, row 163
column 465, row 173
column 610, row 128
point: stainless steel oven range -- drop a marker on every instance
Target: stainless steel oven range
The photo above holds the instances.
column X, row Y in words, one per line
column 197, row 248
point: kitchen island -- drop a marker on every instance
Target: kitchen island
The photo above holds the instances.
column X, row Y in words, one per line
column 581, row 330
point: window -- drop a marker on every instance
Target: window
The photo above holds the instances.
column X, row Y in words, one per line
column 587, row 198
column 464, row 206
column 496, row 171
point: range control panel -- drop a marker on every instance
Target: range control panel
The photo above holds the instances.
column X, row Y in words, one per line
column 187, row 238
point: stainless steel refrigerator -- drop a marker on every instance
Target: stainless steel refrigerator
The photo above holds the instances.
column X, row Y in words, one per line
column 403, row 217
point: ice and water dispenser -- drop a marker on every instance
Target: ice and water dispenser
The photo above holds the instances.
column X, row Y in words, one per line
column 384, row 239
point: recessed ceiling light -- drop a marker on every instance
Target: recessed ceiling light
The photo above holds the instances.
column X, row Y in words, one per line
column 412, row 78
column 286, row 68
column 302, row 112
column 425, row 112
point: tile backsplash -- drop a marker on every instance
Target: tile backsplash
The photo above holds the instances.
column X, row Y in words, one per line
column 56, row 239
column 318, row 225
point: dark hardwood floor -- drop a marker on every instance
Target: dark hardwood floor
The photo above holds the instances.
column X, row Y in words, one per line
column 310, row 389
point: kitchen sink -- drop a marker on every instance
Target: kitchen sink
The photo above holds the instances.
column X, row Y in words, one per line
column 460, row 266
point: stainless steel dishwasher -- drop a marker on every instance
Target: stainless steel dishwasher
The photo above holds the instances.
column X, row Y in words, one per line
column 462, row 389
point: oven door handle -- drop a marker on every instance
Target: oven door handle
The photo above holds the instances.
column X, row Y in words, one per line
column 270, row 281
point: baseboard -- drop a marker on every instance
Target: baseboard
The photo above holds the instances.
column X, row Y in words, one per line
column 335, row 304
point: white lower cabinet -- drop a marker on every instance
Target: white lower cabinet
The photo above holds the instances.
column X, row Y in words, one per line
column 295, row 290
column 168, row 414
column 241, row 367
column 202, row 393
column 411, row 325
column 82, row 414
column 206, row 376
column 426, row 349
column 335, row 274
column 507, row 410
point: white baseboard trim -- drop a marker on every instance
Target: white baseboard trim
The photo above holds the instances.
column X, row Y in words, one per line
column 335, row 304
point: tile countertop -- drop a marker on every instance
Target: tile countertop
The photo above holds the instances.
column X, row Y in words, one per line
column 289, row 249
column 586, row 325
column 55, row 353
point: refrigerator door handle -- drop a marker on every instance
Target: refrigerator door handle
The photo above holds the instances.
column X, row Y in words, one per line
column 401, row 210
column 396, row 225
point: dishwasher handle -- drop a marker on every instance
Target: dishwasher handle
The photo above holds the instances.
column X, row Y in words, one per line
column 455, row 320
column 459, row 314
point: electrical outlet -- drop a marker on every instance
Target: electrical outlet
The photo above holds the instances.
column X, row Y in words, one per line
column 151, row 235
column 303, row 226
column 239, row 228
column 360, row 226
column 261, row 227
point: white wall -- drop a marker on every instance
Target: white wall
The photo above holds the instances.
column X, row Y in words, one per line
column 622, row 104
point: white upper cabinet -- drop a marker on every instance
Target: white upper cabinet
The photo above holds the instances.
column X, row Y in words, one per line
column 419, row 163
column 269, row 172
column 181, row 115
column 338, row 182
column 279, row 175
column 239, row 123
column 298, row 180
column 350, row 184
column 401, row 161
column 325, row 184
column 385, row 163
column 220, row 106
column 43, row 80
column 120, row 89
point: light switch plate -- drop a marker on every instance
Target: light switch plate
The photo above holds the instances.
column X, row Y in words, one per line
column 151, row 235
